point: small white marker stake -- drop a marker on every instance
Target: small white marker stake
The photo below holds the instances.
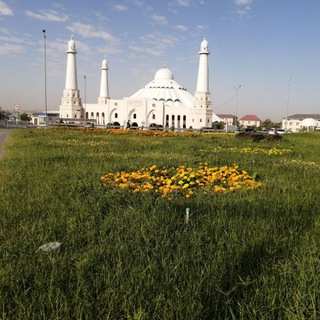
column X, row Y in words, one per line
column 187, row 215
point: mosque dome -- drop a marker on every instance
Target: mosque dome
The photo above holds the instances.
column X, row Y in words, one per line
column 164, row 73
column 309, row 122
column 164, row 88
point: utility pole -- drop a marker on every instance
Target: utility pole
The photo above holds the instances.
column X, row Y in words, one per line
column 45, row 78
column 287, row 106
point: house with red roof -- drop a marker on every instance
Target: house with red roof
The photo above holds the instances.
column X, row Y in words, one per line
column 228, row 119
column 250, row 121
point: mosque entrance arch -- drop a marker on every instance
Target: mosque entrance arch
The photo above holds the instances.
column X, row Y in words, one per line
column 116, row 125
column 134, row 125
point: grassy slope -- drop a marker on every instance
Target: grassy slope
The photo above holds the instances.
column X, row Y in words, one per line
column 244, row 255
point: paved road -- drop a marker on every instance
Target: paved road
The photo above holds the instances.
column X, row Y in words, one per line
column 3, row 136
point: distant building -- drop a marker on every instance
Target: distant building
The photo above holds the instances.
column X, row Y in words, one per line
column 301, row 122
column 228, row 119
column 250, row 121
column 38, row 118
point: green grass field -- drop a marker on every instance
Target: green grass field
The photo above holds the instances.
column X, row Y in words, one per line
column 245, row 254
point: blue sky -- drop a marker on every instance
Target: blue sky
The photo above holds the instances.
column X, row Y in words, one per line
column 257, row 44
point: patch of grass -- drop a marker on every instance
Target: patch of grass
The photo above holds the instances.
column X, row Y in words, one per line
column 243, row 255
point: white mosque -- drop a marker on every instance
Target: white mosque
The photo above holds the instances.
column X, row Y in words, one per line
column 162, row 102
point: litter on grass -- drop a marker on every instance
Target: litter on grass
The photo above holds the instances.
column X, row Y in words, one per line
column 50, row 246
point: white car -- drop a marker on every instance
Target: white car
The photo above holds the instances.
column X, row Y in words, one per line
column 278, row 131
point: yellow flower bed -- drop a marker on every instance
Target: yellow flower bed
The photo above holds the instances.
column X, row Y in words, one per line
column 183, row 180
column 161, row 133
column 255, row 150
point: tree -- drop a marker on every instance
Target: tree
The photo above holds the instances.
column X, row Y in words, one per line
column 267, row 123
column 25, row 117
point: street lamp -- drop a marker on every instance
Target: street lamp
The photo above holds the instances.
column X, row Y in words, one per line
column 287, row 106
column 237, row 101
column 85, row 99
column 45, row 78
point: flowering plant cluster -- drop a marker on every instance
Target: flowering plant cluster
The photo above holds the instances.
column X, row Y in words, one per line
column 182, row 180
column 161, row 133
column 302, row 164
column 255, row 150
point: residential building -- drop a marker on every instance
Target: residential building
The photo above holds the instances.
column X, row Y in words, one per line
column 250, row 121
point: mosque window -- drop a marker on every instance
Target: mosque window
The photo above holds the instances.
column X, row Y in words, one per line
column 153, row 104
column 97, row 114
column 153, row 116
column 200, row 120
column 91, row 114
column 75, row 115
column 102, row 114
column 167, row 117
column 184, row 118
column 116, row 115
column 178, row 117
column 116, row 103
column 134, row 116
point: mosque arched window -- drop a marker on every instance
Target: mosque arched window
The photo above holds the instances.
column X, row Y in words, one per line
column 97, row 114
column 91, row 114
column 116, row 115
column 153, row 116
column 134, row 116
column 178, row 117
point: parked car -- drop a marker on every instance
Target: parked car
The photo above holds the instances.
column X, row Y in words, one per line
column 278, row 131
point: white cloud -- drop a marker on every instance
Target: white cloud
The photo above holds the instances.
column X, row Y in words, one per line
column 119, row 7
column 155, row 44
column 8, row 49
column 242, row 2
column 183, row 3
column 180, row 27
column 244, row 6
column 160, row 19
column 5, row 9
column 47, row 15
column 89, row 31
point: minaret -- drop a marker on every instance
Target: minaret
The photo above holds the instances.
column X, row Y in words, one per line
column 202, row 101
column 71, row 76
column 203, row 72
column 71, row 106
column 104, row 84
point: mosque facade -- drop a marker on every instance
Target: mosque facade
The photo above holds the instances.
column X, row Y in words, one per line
column 161, row 103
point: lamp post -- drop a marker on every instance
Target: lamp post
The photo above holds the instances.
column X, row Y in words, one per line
column 85, row 99
column 45, row 78
column 237, row 101
column 287, row 106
